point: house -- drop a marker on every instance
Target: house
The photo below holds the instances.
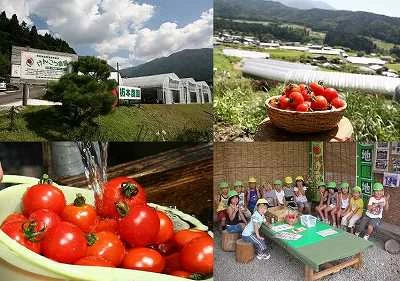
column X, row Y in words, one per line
column 162, row 88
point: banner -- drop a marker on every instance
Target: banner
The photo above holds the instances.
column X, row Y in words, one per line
column 381, row 157
column 364, row 168
column 129, row 93
column 38, row 66
column 316, row 167
column 391, row 180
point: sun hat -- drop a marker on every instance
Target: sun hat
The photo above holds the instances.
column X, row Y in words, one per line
column 344, row 185
column 252, row 180
column 277, row 182
column 238, row 183
column 232, row 193
column 357, row 189
column 331, row 185
column 377, row 186
column 261, row 201
column 223, row 184
column 288, row 180
column 299, row 178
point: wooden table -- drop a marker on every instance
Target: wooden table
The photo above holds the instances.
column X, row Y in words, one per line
column 322, row 256
column 266, row 131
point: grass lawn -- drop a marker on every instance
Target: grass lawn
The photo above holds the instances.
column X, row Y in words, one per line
column 394, row 66
column 189, row 122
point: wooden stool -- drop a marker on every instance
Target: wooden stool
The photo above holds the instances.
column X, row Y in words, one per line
column 244, row 251
column 229, row 241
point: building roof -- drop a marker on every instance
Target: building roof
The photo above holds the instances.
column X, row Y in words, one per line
column 150, row 81
column 244, row 53
column 365, row 60
column 336, row 52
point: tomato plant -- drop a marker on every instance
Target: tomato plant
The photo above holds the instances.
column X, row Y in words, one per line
column 198, row 255
column 182, row 237
column 45, row 219
column 43, row 196
column 166, row 228
column 144, row 259
column 65, row 243
column 119, row 195
column 319, row 103
column 94, row 261
column 140, row 227
column 106, row 245
column 81, row 214
column 25, row 233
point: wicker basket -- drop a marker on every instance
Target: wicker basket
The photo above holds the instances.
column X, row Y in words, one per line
column 304, row 122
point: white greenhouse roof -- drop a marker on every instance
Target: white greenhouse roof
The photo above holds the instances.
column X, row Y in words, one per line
column 150, row 81
column 365, row 60
column 244, row 53
column 190, row 80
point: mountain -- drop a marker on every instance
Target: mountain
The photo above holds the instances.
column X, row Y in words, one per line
column 306, row 4
column 357, row 23
column 195, row 63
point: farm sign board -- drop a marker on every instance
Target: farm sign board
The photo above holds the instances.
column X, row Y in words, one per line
column 129, row 93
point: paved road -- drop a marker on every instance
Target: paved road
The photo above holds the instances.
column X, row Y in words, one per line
column 13, row 96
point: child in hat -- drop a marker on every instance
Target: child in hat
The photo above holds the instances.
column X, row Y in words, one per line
column 288, row 190
column 354, row 211
column 235, row 220
column 251, row 232
column 222, row 201
column 253, row 194
column 344, row 199
column 373, row 215
column 279, row 193
column 301, row 200
column 240, row 190
column 323, row 198
column 332, row 202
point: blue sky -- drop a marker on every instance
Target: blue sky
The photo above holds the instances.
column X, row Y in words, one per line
column 384, row 7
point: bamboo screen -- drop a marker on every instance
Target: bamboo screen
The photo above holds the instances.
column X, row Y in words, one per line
column 340, row 162
column 266, row 161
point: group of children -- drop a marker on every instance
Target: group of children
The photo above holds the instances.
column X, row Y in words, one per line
column 243, row 210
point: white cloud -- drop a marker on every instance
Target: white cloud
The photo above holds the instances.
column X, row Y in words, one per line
column 43, row 31
column 18, row 7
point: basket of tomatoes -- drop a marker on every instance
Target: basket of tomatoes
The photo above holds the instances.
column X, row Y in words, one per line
column 66, row 233
column 306, row 108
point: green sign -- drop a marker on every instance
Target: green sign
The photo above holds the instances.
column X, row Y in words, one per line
column 365, row 174
column 129, row 93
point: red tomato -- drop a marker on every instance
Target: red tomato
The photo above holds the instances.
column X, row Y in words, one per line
column 303, row 107
column 106, row 224
column 316, row 149
column 106, row 245
column 144, row 259
column 172, row 263
column 181, row 273
column 317, row 88
column 292, row 88
column 65, row 243
column 198, row 255
column 319, row 103
column 43, row 196
column 166, row 228
column 182, row 237
column 94, row 261
column 166, row 248
column 306, row 95
column 284, row 102
column 81, row 214
column 25, row 233
column 338, row 103
column 140, row 227
column 14, row 217
column 296, row 98
column 45, row 219
column 303, row 87
column 119, row 195
column 330, row 94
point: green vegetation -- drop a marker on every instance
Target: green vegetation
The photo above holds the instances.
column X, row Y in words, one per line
column 189, row 122
column 12, row 32
column 394, row 66
column 239, row 103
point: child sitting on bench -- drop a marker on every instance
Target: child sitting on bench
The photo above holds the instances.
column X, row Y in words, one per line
column 251, row 232
column 354, row 211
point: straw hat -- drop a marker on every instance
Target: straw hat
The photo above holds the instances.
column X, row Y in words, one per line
column 261, row 201
column 252, row 180
column 299, row 178
column 288, row 180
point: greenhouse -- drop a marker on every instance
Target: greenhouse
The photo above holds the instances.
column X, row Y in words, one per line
column 205, row 92
column 162, row 88
column 191, row 92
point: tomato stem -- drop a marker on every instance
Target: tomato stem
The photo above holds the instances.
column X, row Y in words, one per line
column 45, row 179
column 122, row 208
column 197, row 276
column 28, row 228
column 129, row 189
column 79, row 200
column 91, row 238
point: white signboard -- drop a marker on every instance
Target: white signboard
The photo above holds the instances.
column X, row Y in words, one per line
column 38, row 66
column 129, row 93
column 15, row 70
column 391, row 179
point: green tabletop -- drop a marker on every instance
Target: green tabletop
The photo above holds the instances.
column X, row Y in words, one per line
column 315, row 250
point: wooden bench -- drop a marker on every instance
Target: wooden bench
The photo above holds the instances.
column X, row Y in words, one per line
column 229, row 241
column 244, row 251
